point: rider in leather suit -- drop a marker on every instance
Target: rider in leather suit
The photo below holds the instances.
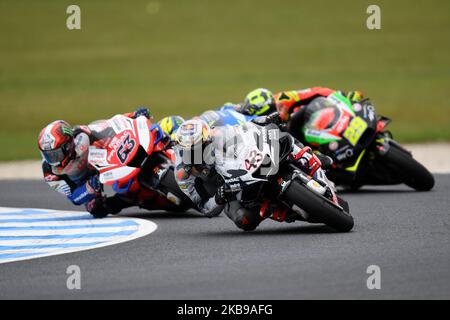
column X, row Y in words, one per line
column 198, row 147
column 262, row 102
column 66, row 169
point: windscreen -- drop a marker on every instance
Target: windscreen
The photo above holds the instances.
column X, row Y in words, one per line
column 322, row 114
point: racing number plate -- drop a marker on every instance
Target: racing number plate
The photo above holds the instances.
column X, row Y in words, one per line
column 355, row 130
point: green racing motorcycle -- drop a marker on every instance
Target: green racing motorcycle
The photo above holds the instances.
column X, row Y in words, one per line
column 355, row 137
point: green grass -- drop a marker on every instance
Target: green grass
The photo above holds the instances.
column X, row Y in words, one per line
column 194, row 55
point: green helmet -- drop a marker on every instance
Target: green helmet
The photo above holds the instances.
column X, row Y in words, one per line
column 259, row 101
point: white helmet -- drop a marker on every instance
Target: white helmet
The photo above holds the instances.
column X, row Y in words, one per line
column 193, row 132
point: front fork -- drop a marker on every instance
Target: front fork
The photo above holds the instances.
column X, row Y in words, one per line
column 286, row 177
column 383, row 143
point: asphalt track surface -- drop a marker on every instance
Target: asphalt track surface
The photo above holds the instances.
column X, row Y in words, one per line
column 405, row 233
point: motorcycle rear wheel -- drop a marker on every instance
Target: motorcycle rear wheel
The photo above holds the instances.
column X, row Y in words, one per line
column 320, row 208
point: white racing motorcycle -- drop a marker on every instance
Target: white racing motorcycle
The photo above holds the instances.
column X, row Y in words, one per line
column 256, row 166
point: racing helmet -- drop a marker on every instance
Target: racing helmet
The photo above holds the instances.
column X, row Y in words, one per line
column 259, row 102
column 56, row 143
column 192, row 133
column 169, row 125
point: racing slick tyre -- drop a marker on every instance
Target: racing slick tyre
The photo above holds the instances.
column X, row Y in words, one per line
column 411, row 172
column 318, row 207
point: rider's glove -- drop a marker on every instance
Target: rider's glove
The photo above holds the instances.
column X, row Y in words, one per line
column 283, row 110
column 271, row 118
column 142, row 111
column 101, row 206
column 274, row 118
column 97, row 207
column 247, row 109
column 93, row 185
column 259, row 120
column 223, row 194
column 355, row 96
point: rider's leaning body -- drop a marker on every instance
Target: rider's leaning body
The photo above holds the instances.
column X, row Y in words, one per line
column 66, row 169
column 197, row 177
column 261, row 101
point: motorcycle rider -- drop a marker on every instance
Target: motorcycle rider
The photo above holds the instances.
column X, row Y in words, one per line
column 262, row 101
column 197, row 176
column 65, row 167
column 166, row 129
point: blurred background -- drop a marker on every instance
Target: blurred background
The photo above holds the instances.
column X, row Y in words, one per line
column 184, row 57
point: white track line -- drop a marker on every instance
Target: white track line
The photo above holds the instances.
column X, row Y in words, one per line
column 32, row 238
column 65, row 232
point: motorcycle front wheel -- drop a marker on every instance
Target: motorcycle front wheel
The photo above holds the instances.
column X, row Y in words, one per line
column 411, row 172
column 318, row 207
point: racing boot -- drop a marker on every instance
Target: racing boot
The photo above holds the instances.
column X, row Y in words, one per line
column 280, row 214
column 286, row 215
column 311, row 165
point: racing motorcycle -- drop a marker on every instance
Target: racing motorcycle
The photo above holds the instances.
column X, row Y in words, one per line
column 257, row 168
column 355, row 137
column 125, row 149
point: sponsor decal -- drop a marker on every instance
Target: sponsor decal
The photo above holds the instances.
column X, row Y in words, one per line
column 66, row 130
column 264, row 135
column 252, row 160
column 107, row 175
column 313, row 132
column 97, row 157
column 343, row 123
column 274, row 134
column 231, row 180
column 371, row 112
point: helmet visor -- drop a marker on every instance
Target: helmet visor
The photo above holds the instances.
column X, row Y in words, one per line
column 54, row 157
